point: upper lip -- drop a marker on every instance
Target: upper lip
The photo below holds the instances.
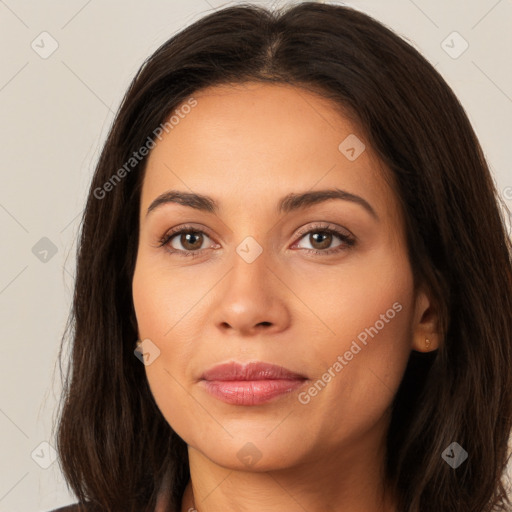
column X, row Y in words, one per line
column 256, row 370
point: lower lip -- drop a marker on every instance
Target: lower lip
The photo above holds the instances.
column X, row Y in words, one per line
column 250, row 392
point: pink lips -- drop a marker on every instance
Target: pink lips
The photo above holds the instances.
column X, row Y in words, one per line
column 250, row 384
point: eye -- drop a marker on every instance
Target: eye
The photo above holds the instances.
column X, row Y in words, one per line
column 321, row 236
column 189, row 238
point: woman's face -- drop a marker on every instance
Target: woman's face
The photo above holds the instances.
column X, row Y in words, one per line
column 257, row 279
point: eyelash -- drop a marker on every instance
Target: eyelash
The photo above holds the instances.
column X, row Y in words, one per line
column 347, row 241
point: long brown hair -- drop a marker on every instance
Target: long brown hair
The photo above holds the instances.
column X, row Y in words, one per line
column 116, row 448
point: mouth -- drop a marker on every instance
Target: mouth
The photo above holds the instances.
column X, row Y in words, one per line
column 250, row 384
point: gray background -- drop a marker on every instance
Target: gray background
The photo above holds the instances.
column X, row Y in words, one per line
column 55, row 113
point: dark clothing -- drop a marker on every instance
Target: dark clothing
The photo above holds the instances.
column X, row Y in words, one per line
column 71, row 508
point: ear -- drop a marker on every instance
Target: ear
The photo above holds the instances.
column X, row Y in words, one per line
column 425, row 324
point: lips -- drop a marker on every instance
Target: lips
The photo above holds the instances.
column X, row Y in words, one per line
column 250, row 384
column 251, row 371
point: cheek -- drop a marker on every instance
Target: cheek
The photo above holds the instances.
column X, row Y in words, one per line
column 162, row 298
column 158, row 310
column 161, row 317
column 363, row 343
column 164, row 308
column 364, row 298
column 150, row 301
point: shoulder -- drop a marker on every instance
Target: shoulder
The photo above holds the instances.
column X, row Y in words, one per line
column 75, row 507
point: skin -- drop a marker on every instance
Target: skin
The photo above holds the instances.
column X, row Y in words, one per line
column 247, row 146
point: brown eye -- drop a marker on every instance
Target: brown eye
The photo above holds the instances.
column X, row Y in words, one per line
column 189, row 240
column 321, row 239
column 186, row 241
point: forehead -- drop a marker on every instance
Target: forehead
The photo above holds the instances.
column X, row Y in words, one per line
column 255, row 141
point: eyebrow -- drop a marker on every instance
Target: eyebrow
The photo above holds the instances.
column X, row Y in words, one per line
column 290, row 202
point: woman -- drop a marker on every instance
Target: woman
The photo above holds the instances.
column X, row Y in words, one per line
column 294, row 282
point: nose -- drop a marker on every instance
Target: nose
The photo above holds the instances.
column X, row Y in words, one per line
column 251, row 300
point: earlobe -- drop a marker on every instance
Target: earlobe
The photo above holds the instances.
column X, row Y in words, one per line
column 425, row 330
column 426, row 346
